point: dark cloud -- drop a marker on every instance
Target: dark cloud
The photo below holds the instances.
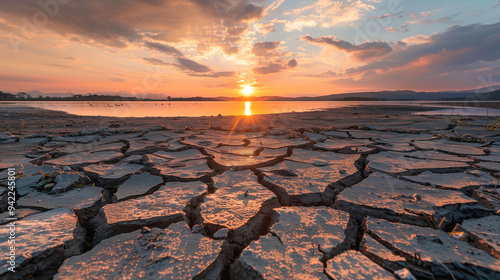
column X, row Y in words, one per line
column 156, row 61
column 274, row 66
column 266, row 48
column 192, row 68
column 455, row 58
column 364, row 51
column 451, row 50
column 164, row 48
column 229, row 49
column 271, row 68
column 118, row 23
column 192, row 65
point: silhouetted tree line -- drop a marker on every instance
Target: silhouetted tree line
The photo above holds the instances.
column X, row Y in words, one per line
column 23, row 96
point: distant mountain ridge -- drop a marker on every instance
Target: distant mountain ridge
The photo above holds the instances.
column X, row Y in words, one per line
column 485, row 93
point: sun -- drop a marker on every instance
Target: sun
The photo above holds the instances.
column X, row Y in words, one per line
column 247, row 90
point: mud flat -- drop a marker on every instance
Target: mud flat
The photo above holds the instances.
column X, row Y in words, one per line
column 350, row 193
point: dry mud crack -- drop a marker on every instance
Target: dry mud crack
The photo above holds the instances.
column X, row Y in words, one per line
column 347, row 202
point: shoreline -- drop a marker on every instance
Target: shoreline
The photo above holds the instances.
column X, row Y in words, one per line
column 95, row 187
column 34, row 120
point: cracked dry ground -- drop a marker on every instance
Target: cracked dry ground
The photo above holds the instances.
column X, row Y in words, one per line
column 345, row 202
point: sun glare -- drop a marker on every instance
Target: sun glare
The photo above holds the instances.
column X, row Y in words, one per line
column 247, row 90
column 248, row 112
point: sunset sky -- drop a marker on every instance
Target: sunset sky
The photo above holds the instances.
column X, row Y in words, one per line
column 276, row 47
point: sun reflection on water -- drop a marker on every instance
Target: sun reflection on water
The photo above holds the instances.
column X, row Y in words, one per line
column 248, row 112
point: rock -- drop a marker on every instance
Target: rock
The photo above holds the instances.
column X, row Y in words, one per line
column 483, row 233
column 67, row 168
column 291, row 251
column 237, row 199
column 66, row 181
column 354, row 265
column 28, row 170
column 47, row 239
column 174, row 253
column 26, row 184
column 435, row 248
column 138, row 185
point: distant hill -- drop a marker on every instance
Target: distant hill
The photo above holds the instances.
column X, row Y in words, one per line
column 486, row 93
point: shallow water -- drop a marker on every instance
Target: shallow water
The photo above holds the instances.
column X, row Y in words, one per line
column 225, row 108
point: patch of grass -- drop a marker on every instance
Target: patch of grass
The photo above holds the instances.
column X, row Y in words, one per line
column 494, row 126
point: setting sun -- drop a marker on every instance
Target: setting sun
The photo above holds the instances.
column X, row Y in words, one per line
column 247, row 90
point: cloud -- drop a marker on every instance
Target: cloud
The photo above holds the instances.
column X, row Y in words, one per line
column 452, row 49
column 26, row 79
column 275, row 5
column 192, row 65
column 119, row 23
column 459, row 55
column 163, row 48
column 299, row 24
column 364, row 51
column 266, row 49
column 274, row 67
column 264, row 28
column 327, row 74
column 223, row 74
column 327, row 13
column 156, row 61
column 271, row 68
column 191, row 68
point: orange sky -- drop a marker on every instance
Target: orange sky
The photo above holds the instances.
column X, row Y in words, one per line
column 215, row 48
